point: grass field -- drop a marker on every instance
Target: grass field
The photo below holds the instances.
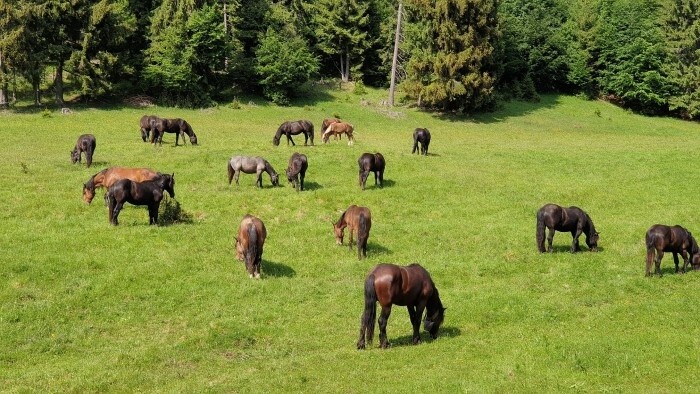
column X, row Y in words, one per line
column 85, row 306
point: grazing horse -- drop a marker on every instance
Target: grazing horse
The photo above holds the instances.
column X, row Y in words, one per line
column 251, row 165
column 371, row 162
column 298, row 164
column 293, row 128
column 337, row 129
column 358, row 220
column 178, row 126
column 327, row 122
column 572, row 219
column 661, row 238
column 109, row 176
column 249, row 244
column 86, row 143
column 422, row 136
column 409, row 286
column 139, row 193
column 147, row 124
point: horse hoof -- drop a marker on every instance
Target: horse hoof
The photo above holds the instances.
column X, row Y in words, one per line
column 360, row 346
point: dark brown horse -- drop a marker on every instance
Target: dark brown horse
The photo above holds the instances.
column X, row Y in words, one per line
column 249, row 244
column 358, row 220
column 178, row 126
column 371, row 162
column 661, row 238
column 296, row 170
column 147, row 123
column 86, row 143
column 327, row 122
column 337, row 129
column 409, row 286
column 148, row 193
column 111, row 175
column 572, row 219
column 294, row 128
column 421, row 136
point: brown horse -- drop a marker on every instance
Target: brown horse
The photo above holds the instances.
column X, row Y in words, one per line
column 572, row 219
column 327, row 122
column 421, row 136
column 375, row 163
column 249, row 244
column 86, row 143
column 409, row 286
column 109, row 176
column 147, row 124
column 358, row 220
column 294, row 128
column 661, row 238
column 178, row 126
column 298, row 164
column 337, row 129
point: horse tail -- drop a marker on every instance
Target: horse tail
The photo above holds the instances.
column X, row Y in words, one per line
column 650, row 251
column 230, row 172
column 362, row 235
column 540, row 231
column 252, row 244
column 367, row 321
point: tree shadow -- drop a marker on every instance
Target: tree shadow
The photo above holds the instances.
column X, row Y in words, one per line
column 277, row 270
column 505, row 110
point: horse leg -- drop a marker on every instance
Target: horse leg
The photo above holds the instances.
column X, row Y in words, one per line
column 685, row 260
column 289, row 139
column 363, row 178
column 550, row 239
column 650, row 258
column 574, row 244
column 675, row 260
column 657, row 262
column 115, row 213
column 381, row 178
column 383, row 319
column 301, row 182
column 153, row 214
column 415, row 322
column 350, row 230
column 258, row 182
column 236, row 174
column 415, row 146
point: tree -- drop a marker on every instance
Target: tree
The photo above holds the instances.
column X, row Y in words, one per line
column 451, row 50
column 341, row 31
column 682, row 30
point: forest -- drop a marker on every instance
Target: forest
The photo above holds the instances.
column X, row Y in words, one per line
column 454, row 55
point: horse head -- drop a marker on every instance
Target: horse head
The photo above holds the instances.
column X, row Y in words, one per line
column 168, row 183
column 290, row 175
column 433, row 322
column 74, row 155
column 338, row 231
column 88, row 192
column 592, row 239
column 193, row 139
column 240, row 252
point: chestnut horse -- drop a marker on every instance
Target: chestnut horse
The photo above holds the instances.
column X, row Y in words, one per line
column 327, row 122
column 294, row 128
column 249, row 244
column 409, row 286
column 298, row 164
column 139, row 193
column 572, row 219
column 109, row 176
column 358, row 220
column 86, row 143
column 421, row 136
column 337, row 129
column 374, row 163
column 661, row 238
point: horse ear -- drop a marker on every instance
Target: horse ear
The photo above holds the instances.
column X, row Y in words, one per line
column 173, row 175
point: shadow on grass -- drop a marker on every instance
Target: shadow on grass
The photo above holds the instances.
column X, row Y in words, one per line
column 567, row 249
column 505, row 110
column 376, row 248
column 407, row 340
column 277, row 270
column 385, row 183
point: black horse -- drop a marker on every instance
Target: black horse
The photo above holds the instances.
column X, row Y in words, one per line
column 296, row 171
column 294, row 128
column 422, row 136
column 86, row 143
column 371, row 162
column 661, row 238
column 409, row 286
column 147, row 123
column 140, row 193
column 572, row 219
column 178, row 126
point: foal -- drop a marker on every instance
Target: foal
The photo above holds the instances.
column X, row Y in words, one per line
column 358, row 220
column 298, row 164
column 371, row 162
column 86, row 143
column 249, row 244
column 421, row 136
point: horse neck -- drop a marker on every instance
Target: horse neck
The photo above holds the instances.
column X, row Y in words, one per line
column 98, row 179
column 434, row 303
column 268, row 168
column 341, row 223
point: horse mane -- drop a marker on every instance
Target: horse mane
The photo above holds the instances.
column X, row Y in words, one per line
column 91, row 182
column 269, row 169
column 434, row 303
column 341, row 220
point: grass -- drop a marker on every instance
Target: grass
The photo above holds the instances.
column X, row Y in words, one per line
column 85, row 306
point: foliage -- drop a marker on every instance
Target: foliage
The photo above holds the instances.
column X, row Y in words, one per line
column 683, row 37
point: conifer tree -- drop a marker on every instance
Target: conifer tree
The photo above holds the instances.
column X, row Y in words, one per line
column 683, row 38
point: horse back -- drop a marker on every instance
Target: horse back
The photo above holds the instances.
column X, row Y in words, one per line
column 402, row 285
column 668, row 238
column 114, row 174
column 260, row 230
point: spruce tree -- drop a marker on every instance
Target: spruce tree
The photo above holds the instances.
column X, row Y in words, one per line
column 683, row 37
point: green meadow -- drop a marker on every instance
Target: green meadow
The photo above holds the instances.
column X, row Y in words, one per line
column 89, row 307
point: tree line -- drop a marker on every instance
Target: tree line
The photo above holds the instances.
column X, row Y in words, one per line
column 454, row 55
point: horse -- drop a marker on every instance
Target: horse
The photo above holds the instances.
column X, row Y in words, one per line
column 139, row 193
column 249, row 244
column 422, row 136
column 572, row 219
column 86, row 143
column 676, row 239
column 409, row 286
column 178, row 126
column 358, row 220
column 294, row 128
column 371, row 162
column 298, row 164
column 251, row 165
column 147, row 124
column 337, row 129
column 327, row 122
column 109, row 176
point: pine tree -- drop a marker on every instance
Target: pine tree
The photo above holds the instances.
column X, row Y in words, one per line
column 452, row 53
column 683, row 37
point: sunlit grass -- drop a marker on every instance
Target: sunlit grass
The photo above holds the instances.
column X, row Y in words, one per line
column 86, row 306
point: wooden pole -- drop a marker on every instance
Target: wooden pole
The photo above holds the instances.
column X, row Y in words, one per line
column 392, row 86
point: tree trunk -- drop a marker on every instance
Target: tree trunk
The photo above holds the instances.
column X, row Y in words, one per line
column 58, row 83
column 394, row 60
column 4, row 104
column 37, row 93
column 347, row 65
